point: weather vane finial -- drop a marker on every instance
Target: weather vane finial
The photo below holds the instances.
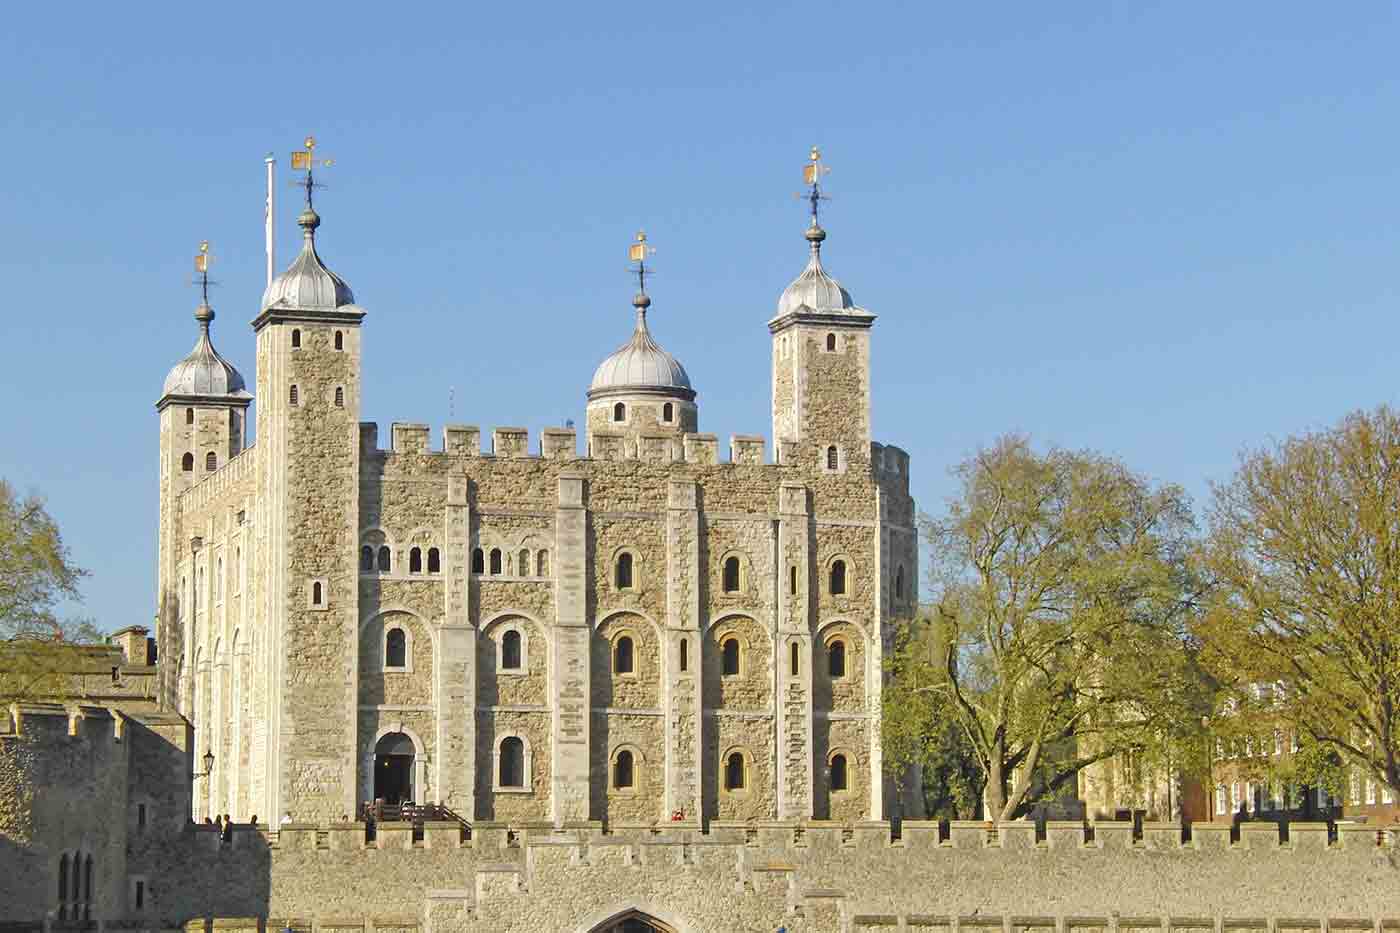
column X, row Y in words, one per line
column 201, row 268
column 812, row 174
column 304, row 160
column 638, row 253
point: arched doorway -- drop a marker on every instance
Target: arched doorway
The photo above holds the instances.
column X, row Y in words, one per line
column 393, row 768
column 633, row 921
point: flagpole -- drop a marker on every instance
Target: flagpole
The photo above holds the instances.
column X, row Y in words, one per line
column 270, row 221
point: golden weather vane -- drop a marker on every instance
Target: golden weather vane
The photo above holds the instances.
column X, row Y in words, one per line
column 201, row 268
column 812, row 174
column 638, row 253
column 304, row 160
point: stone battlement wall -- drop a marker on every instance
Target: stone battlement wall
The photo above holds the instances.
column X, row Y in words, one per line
column 234, row 476
column 802, row 876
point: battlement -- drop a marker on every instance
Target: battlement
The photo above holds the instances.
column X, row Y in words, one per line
column 49, row 722
column 214, row 486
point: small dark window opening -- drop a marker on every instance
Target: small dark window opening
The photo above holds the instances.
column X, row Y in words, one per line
column 522, row 563
column 731, row 575
column 624, row 571
column 668, row 412
column 478, row 560
column 793, row 657
column 339, row 340
column 734, row 771
column 316, row 594
column 622, row 656
column 833, row 458
column 510, row 651
column 63, row 877
column 211, row 462
column 434, row 560
column 396, row 648
column 729, row 657
column 495, row 560
column 77, row 877
column 831, row 342
column 512, row 762
column 189, row 416
column 87, row 883
column 792, row 581
column 292, row 395
column 838, row 772
column 140, row 895
column 415, row 560
column 622, row 770
column 339, row 397
column 685, row 655
column 296, row 339
column 836, row 659
column 384, row 559
column 141, row 816
column 619, row 412
column 366, row 558
column 838, row 578
column 187, row 463
column 899, row 583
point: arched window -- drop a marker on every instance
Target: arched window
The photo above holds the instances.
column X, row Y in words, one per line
column 622, row 656
column 836, row 658
column 522, row 563
column 366, row 559
column 396, row 648
column 434, row 560
column 384, row 559
column 731, row 574
column 339, row 340
column 668, row 413
column 339, row 397
column 833, row 458
column 542, row 563
column 831, row 342
column 478, row 560
column 899, row 583
column 510, row 650
column 189, row 416
column 296, row 339
column 623, row 575
column 793, row 658
column 512, row 769
column 734, row 771
column 685, row 655
column 838, row 577
column 792, row 580
column 187, row 463
column 729, row 657
column 211, row 462
column 495, row 560
column 838, row 772
column 415, row 560
column 619, row 412
column 316, row 594
column 292, row 395
column 622, row 770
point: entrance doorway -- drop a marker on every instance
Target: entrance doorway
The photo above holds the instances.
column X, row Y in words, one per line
column 633, row 921
column 393, row 769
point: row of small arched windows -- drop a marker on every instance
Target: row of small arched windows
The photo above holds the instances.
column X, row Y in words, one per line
column 520, row 564
column 296, row 339
column 211, row 462
column 294, row 396
column 731, row 658
column 668, row 412
column 381, row 560
column 75, row 886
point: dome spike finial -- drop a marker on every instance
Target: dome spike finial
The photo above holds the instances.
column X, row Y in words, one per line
column 812, row 174
column 304, row 160
column 204, row 313
column 638, row 253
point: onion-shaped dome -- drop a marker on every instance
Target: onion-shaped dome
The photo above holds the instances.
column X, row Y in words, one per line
column 815, row 290
column 204, row 372
column 641, row 366
column 308, row 284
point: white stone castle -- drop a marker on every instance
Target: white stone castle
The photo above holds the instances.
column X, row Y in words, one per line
column 642, row 633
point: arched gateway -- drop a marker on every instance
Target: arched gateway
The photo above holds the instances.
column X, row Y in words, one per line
column 633, row 921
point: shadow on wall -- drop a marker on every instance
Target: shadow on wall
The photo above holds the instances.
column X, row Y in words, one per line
column 205, row 874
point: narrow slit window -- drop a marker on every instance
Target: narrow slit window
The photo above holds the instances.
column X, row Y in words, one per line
column 316, row 594
column 189, row 416
column 187, row 463
column 415, row 560
column 685, row 655
column 793, row 658
column 495, row 560
column 899, row 583
column 734, row 771
column 512, row 770
column 831, row 342
column 836, row 659
column 623, row 576
column 668, row 412
column 731, row 575
column 339, row 397
column 478, row 560
column 510, row 650
column 729, row 657
column 833, row 458
column 292, row 395
column 140, row 895
column 838, row 772
column 140, row 816
column 339, row 340
column 434, row 560
column 63, row 877
column 395, row 648
column 384, row 561
column 622, row 656
column 296, row 339
column 838, row 578
column 792, row 581
column 622, row 770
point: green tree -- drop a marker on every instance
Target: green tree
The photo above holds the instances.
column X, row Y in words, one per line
column 36, row 574
column 1303, row 632
column 1063, row 582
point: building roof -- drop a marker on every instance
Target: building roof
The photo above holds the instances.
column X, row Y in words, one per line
column 814, row 289
column 308, row 284
column 641, row 365
column 204, row 372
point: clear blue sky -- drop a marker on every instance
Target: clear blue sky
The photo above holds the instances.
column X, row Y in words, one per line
column 1165, row 231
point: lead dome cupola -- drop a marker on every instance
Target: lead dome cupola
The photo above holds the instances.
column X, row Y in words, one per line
column 815, row 290
column 204, row 372
column 640, row 365
column 308, row 284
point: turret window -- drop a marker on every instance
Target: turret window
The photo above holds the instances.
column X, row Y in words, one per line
column 794, row 654
column 189, row 416
column 296, row 340
column 833, row 458
column 339, row 397
column 211, row 462
column 668, row 413
column 434, row 560
column 292, row 396
column 339, row 340
column 685, row 655
column 187, row 463
column 415, row 560
column 831, row 343
column 619, row 412
column 792, row 580
column 317, row 595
